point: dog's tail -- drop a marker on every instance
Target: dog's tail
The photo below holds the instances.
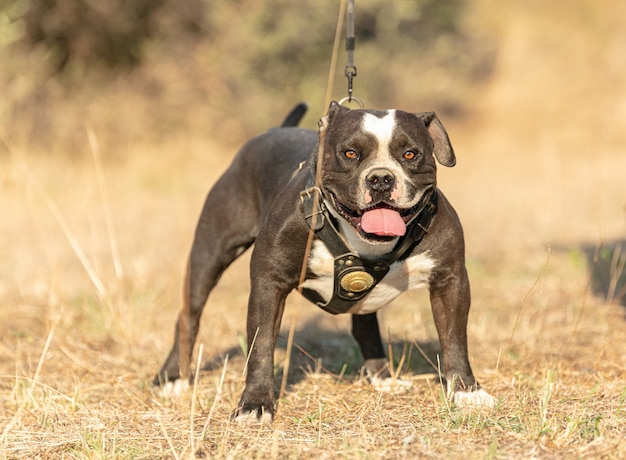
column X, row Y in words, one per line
column 295, row 115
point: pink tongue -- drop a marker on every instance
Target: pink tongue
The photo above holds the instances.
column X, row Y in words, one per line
column 383, row 222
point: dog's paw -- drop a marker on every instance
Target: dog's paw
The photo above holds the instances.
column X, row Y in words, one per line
column 390, row 384
column 250, row 414
column 175, row 389
column 474, row 399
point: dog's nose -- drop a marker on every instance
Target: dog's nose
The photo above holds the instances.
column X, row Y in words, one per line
column 381, row 180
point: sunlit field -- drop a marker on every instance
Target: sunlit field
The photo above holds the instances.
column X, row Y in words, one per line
column 95, row 233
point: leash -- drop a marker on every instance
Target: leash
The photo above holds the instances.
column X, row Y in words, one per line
column 350, row 69
column 315, row 213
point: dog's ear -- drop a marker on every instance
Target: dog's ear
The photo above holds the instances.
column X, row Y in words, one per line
column 335, row 109
column 442, row 147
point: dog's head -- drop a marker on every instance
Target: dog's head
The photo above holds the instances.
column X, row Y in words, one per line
column 378, row 164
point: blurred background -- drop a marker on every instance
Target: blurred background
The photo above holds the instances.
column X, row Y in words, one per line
column 226, row 68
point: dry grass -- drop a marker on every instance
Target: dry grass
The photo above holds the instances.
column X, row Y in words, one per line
column 88, row 297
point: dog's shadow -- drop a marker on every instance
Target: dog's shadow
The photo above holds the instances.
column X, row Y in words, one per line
column 606, row 263
column 317, row 349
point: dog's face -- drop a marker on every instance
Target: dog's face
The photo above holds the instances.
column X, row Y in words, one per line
column 378, row 164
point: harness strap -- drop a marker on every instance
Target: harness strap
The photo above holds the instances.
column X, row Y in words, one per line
column 355, row 277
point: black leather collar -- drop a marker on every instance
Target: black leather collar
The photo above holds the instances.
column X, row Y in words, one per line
column 354, row 276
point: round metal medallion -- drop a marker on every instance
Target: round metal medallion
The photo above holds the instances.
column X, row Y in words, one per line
column 357, row 281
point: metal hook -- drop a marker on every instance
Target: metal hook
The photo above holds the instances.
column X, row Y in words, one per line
column 350, row 74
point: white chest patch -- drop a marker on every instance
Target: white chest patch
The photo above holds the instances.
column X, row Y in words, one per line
column 409, row 274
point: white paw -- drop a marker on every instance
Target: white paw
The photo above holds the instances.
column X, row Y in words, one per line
column 175, row 389
column 478, row 398
column 250, row 418
column 390, row 385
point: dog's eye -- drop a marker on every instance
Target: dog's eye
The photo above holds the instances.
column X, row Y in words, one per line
column 409, row 155
column 351, row 154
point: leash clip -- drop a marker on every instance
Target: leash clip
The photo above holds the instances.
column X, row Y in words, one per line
column 350, row 73
column 350, row 70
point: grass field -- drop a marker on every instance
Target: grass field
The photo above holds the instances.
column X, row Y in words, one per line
column 94, row 244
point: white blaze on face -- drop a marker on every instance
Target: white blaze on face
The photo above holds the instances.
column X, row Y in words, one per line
column 382, row 129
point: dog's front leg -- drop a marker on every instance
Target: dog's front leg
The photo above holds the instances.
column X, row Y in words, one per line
column 265, row 311
column 450, row 302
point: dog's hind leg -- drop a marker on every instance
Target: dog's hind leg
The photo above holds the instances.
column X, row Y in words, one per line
column 227, row 227
column 367, row 334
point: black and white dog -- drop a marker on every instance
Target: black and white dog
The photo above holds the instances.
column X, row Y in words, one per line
column 381, row 227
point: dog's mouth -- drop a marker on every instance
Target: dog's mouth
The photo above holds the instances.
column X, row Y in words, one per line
column 380, row 222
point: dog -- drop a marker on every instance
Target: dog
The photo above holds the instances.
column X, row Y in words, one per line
column 380, row 227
